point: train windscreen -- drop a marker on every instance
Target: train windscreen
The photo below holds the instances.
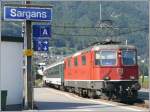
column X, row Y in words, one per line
column 128, row 57
column 106, row 58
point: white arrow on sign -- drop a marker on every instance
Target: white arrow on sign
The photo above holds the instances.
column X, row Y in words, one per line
column 39, row 42
column 45, row 42
column 39, row 48
column 45, row 48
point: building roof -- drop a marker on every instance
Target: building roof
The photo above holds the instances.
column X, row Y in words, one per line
column 12, row 39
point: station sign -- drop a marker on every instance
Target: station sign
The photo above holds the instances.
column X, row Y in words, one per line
column 41, row 44
column 27, row 13
column 41, row 31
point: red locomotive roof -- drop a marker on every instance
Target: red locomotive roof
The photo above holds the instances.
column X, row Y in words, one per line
column 98, row 47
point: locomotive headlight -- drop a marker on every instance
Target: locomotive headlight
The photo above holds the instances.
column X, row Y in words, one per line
column 107, row 78
column 132, row 77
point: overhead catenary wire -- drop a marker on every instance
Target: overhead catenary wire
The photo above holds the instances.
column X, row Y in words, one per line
column 90, row 27
column 118, row 34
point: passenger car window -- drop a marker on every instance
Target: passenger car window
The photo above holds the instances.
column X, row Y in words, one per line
column 83, row 60
column 75, row 61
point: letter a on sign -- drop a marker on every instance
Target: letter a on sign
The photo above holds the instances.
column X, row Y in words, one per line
column 45, row 32
column 40, row 31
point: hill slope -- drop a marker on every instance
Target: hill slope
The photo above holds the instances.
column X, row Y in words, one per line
column 76, row 24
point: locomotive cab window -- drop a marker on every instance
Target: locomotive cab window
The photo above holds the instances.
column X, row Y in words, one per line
column 129, row 57
column 106, row 58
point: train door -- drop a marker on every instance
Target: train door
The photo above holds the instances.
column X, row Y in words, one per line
column 75, row 69
column 84, row 66
column 89, row 66
column 95, row 67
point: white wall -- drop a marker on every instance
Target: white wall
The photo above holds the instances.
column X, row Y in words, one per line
column 11, row 71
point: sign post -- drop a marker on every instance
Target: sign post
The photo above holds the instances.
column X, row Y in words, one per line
column 29, row 13
column 29, row 66
column 0, row 57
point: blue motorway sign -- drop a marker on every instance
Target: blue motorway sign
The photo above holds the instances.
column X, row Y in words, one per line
column 41, row 45
column 29, row 13
column 43, row 31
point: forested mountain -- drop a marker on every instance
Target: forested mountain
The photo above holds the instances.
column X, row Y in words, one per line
column 77, row 24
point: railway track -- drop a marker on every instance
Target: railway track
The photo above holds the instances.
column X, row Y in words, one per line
column 144, row 96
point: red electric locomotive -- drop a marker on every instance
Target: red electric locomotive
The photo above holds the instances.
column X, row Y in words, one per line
column 108, row 70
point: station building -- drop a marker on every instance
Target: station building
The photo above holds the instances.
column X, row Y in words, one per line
column 11, row 71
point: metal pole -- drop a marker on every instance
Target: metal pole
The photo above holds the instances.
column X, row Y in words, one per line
column 126, row 42
column 29, row 67
column 100, row 12
column 149, row 52
column 29, row 64
column 0, row 54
